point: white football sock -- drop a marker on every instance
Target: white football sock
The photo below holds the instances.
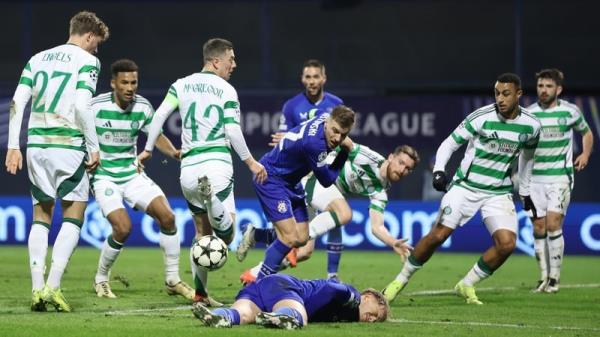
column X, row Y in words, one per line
column 321, row 224
column 410, row 267
column 199, row 275
column 109, row 254
column 38, row 248
column 556, row 247
column 220, row 219
column 540, row 246
column 169, row 243
column 65, row 244
column 476, row 274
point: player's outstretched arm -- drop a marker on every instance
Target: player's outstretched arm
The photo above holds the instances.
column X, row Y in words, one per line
column 380, row 231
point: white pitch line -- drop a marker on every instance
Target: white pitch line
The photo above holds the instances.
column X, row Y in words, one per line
column 487, row 289
column 150, row 312
column 494, row 325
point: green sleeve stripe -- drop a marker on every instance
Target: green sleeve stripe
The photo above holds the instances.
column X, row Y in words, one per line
column 231, row 105
column 458, row 139
column 584, row 130
column 28, row 66
column 230, row 120
column 376, row 208
column 88, row 68
column 470, row 127
column 26, row 81
column 173, row 91
column 83, row 85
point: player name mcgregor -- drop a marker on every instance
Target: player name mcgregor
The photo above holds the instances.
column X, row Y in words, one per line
column 203, row 88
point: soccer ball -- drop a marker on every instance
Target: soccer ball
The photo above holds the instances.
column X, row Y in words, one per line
column 209, row 252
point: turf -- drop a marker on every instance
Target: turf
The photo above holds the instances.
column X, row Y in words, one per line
column 144, row 309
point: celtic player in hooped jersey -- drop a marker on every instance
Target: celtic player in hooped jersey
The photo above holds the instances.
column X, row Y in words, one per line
column 60, row 81
column 552, row 178
column 120, row 117
column 210, row 115
column 497, row 134
column 366, row 173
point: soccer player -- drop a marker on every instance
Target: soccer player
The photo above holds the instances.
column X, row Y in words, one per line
column 210, row 114
column 120, row 117
column 61, row 82
column 552, row 177
column 285, row 302
column 366, row 173
column 298, row 110
column 496, row 135
column 302, row 150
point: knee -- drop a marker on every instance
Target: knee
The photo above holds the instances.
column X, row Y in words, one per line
column 506, row 247
column 121, row 233
column 167, row 220
column 344, row 215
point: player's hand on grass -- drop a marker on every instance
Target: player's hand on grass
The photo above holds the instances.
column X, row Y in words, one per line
column 14, row 161
column 402, row 248
column 258, row 171
column 276, row 138
column 93, row 162
column 141, row 158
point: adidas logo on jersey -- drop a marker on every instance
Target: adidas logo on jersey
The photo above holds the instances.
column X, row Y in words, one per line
column 107, row 125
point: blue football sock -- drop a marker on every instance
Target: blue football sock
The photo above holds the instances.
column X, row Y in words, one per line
column 291, row 312
column 231, row 315
column 334, row 249
column 273, row 257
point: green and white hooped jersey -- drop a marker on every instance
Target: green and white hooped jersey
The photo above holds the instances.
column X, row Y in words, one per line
column 118, row 132
column 493, row 144
column 360, row 176
column 553, row 160
column 206, row 103
column 54, row 76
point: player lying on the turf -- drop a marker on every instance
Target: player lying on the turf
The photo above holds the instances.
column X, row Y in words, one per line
column 285, row 302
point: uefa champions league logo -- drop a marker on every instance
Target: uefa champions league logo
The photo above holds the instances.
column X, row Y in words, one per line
column 95, row 226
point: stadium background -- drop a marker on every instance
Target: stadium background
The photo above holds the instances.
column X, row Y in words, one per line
column 412, row 70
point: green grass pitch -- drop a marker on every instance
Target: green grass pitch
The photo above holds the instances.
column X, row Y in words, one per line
column 427, row 306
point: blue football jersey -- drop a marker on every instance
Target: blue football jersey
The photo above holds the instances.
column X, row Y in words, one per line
column 299, row 109
column 303, row 149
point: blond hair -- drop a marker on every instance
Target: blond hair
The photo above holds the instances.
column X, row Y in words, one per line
column 87, row 22
column 384, row 307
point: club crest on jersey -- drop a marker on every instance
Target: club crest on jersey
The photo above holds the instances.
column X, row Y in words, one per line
column 447, row 210
column 135, row 124
column 523, row 137
column 562, row 121
column 108, row 192
column 281, row 206
column 322, row 156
